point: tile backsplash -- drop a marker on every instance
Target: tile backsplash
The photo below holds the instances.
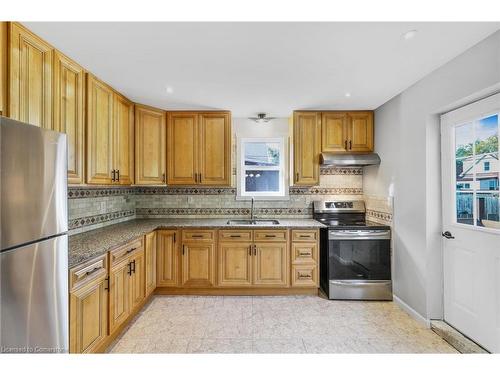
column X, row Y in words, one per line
column 94, row 207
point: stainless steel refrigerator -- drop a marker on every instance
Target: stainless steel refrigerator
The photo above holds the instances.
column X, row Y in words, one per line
column 33, row 239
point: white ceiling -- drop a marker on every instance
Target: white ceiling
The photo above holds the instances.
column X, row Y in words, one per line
column 261, row 67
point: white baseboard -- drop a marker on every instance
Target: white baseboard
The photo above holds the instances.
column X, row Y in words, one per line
column 412, row 312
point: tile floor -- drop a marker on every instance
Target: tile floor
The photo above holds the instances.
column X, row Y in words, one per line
column 291, row 324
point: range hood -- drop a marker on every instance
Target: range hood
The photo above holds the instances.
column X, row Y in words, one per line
column 353, row 160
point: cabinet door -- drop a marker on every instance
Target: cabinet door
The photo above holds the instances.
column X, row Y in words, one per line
column 123, row 137
column 150, row 146
column 88, row 317
column 30, row 86
column 307, row 145
column 182, row 149
column 360, row 132
column 215, row 147
column 99, row 131
column 334, row 132
column 167, row 259
column 69, row 99
column 119, row 304
column 198, row 264
column 150, row 262
column 235, row 264
column 137, row 286
column 3, row 67
column 271, row 264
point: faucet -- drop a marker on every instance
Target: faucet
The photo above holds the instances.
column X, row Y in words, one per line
column 251, row 210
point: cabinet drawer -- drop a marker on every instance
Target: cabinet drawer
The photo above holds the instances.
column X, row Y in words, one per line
column 270, row 235
column 124, row 252
column 305, row 275
column 88, row 271
column 235, row 235
column 304, row 235
column 304, row 252
column 198, row 234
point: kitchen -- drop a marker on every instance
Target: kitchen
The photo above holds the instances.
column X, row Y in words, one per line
column 171, row 222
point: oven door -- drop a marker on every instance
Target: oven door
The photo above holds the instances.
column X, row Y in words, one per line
column 359, row 255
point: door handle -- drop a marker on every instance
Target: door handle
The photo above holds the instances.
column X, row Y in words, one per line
column 250, row 250
column 447, row 235
column 129, row 268
column 113, row 178
column 118, row 174
column 183, row 249
column 133, row 263
column 345, row 144
column 350, row 145
column 107, row 284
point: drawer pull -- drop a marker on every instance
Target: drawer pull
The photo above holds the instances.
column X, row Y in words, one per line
column 197, row 235
column 304, row 253
column 132, row 249
column 235, row 236
column 95, row 269
column 305, row 235
column 305, row 276
column 270, row 235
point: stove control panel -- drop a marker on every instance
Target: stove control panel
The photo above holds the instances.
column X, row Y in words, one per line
column 339, row 204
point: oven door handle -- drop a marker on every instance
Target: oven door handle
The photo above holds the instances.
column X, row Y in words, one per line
column 360, row 235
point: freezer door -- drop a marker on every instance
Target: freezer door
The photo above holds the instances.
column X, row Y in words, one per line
column 33, row 190
column 34, row 298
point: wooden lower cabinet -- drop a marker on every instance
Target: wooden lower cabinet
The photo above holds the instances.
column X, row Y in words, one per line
column 271, row 264
column 305, row 258
column 150, row 262
column 235, row 263
column 137, row 286
column 198, row 263
column 167, row 258
column 88, row 307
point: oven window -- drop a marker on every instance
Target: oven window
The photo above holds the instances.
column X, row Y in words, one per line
column 359, row 260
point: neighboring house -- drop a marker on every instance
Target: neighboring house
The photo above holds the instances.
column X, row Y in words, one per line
column 487, row 168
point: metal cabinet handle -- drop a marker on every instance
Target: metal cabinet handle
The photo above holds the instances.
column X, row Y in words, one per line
column 304, row 276
column 345, row 143
column 93, row 270
column 130, row 250
column 254, row 249
column 250, row 250
column 163, row 177
column 304, row 254
column 199, row 178
column 297, row 177
column 129, row 268
column 350, row 145
column 107, row 284
column 235, row 236
column 118, row 174
column 183, row 249
column 304, row 236
column 133, row 263
column 270, row 235
column 174, row 236
column 113, row 177
column 197, row 235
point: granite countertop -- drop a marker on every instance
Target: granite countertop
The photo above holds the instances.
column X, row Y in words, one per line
column 87, row 245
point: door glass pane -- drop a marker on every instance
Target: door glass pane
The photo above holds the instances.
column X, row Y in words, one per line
column 487, row 210
column 464, row 202
column 256, row 180
column 486, row 165
column 262, row 154
column 464, row 157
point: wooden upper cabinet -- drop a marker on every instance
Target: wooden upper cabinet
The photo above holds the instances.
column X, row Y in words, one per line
column 182, row 148
column 123, row 137
column 215, row 147
column 99, row 131
column 69, row 101
column 334, row 132
column 150, row 145
column 30, row 77
column 360, row 131
column 3, row 67
column 307, row 147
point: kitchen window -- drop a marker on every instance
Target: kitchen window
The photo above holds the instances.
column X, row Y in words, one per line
column 262, row 168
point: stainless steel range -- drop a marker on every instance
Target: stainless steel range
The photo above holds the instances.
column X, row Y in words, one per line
column 355, row 253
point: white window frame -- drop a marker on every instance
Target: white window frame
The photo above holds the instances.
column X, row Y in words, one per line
column 282, row 194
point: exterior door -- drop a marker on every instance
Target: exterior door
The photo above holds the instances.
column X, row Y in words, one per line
column 167, row 259
column 123, row 136
column 198, row 264
column 150, row 262
column 334, row 132
column 471, row 229
column 360, row 132
column 88, row 317
column 99, row 131
column 307, row 147
column 119, row 304
column 150, row 146
column 182, row 150
column 271, row 264
column 235, row 264
column 69, row 99
column 215, row 146
column 31, row 61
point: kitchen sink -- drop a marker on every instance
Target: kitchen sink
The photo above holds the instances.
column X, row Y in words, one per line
column 253, row 222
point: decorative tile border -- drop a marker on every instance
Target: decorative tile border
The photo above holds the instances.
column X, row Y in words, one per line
column 165, row 211
column 185, row 191
column 316, row 190
column 96, row 219
column 341, row 171
column 90, row 192
column 385, row 216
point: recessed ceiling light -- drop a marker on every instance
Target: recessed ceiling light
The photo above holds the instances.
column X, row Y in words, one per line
column 410, row 34
column 169, row 90
column 347, row 94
